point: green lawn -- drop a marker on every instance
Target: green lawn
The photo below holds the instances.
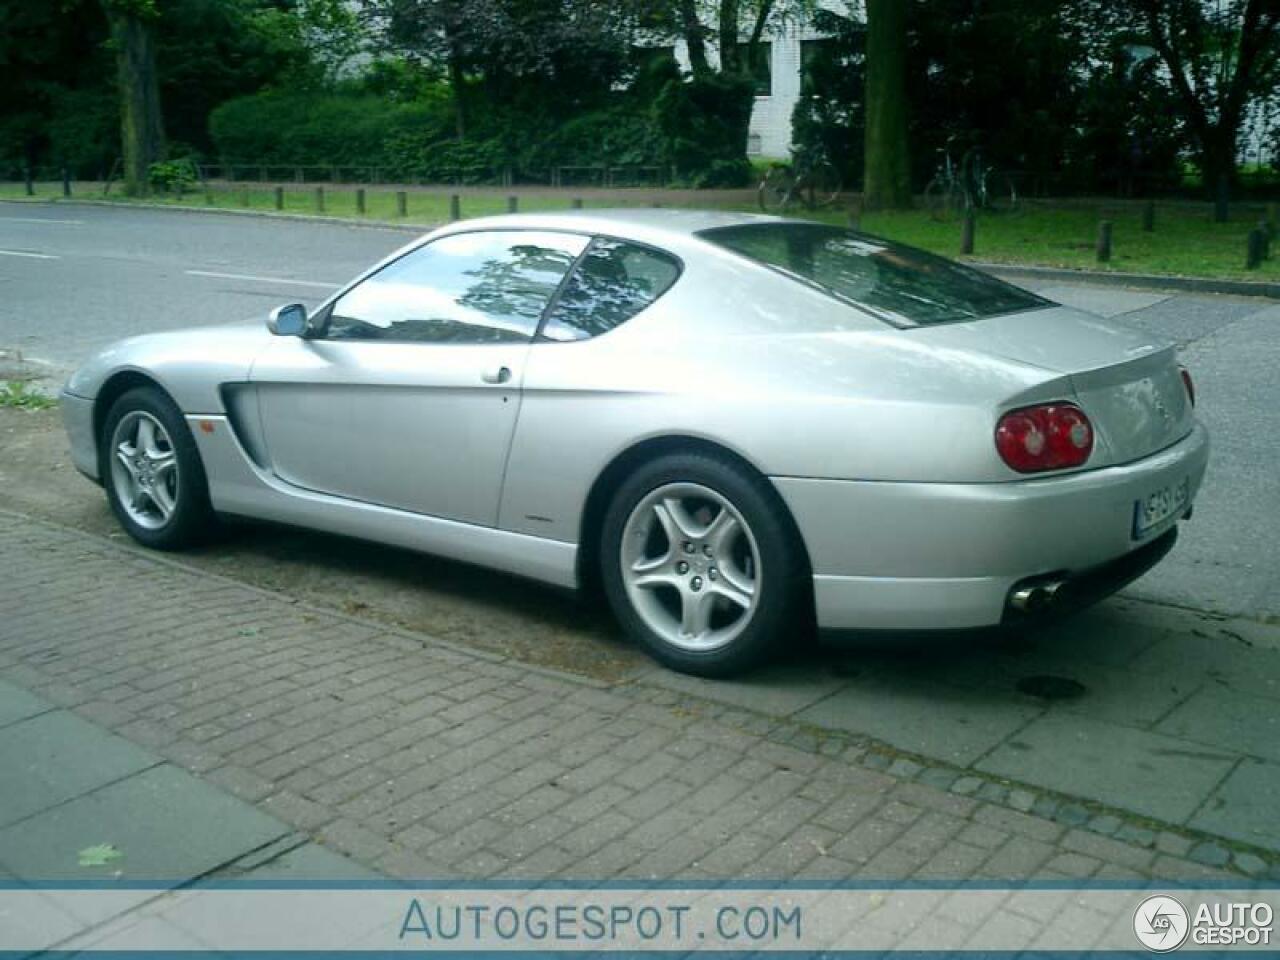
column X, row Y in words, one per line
column 1186, row 242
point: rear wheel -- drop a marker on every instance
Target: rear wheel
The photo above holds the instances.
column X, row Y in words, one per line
column 152, row 472
column 824, row 185
column 777, row 189
column 943, row 199
column 700, row 564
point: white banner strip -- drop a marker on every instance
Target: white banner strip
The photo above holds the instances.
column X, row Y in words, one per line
column 607, row 920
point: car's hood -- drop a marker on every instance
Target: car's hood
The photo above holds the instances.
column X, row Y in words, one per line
column 189, row 363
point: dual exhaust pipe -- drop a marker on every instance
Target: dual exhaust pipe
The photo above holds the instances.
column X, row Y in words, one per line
column 1036, row 597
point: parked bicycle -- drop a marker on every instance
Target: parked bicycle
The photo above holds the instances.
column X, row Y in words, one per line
column 969, row 184
column 812, row 181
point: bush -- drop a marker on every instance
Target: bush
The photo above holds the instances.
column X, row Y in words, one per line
column 326, row 129
column 704, row 123
column 172, row 175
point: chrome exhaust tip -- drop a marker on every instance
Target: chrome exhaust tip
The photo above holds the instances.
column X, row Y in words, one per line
column 1035, row 597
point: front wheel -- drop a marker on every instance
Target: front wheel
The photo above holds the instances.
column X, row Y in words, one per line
column 152, row 472
column 701, row 565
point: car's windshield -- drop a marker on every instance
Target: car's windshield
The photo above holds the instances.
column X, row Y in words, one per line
column 902, row 285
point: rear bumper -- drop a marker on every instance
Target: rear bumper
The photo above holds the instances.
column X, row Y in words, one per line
column 919, row 556
column 77, row 418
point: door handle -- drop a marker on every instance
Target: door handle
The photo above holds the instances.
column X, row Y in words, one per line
column 496, row 375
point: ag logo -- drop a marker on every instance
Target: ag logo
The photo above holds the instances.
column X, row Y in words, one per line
column 1161, row 923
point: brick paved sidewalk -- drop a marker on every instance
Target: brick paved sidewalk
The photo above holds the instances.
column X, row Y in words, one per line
column 422, row 760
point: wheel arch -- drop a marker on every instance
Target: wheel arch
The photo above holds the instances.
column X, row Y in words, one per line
column 116, row 386
column 612, row 476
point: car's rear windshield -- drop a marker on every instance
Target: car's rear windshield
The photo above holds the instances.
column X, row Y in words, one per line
column 902, row 285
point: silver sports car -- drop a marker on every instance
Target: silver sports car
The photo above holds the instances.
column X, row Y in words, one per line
column 731, row 426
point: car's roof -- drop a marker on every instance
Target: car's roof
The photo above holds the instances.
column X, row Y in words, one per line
column 642, row 223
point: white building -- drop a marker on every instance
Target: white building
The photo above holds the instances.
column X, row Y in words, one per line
column 785, row 50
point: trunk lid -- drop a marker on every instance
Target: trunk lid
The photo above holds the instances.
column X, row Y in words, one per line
column 1127, row 382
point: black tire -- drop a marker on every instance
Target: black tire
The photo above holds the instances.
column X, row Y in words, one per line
column 776, row 189
column 779, row 616
column 943, row 199
column 824, row 185
column 192, row 516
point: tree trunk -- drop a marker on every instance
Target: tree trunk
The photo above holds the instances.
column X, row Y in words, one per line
column 693, row 38
column 141, row 123
column 887, row 181
column 730, row 50
column 457, row 83
column 1218, row 166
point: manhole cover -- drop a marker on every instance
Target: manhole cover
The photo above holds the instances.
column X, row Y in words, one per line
column 1049, row 687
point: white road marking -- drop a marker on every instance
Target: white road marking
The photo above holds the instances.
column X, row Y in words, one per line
column 254, row 279
column 72, row 223
column 24, row 253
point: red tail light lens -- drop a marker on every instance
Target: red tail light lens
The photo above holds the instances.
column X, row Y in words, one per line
column 1186, row 382
column 1051, row 436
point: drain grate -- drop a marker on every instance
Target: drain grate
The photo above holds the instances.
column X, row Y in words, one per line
column 1049, row 687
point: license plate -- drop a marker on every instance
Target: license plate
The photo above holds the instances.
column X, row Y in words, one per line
column 1158, row 506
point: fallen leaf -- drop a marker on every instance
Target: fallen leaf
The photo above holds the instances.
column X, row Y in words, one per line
column 99, row 855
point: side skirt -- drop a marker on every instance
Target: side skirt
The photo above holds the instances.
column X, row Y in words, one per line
column 238, row 486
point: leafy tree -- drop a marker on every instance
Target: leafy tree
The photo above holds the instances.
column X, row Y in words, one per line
column 1218, row 55
column 51, row 56
column 887, row 174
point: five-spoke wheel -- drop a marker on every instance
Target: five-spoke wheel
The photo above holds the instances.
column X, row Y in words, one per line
column 691, row 566
column 144, row 469
column 700, row 564
column 152, row 471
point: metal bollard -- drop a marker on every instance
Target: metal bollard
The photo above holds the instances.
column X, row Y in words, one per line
column 854, row 214
column 455, row 207
column 1254, row 252
column 1104, row 241
column 402, row 204
column 967, row 231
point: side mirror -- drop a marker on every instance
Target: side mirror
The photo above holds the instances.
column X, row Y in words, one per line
column 288, row 321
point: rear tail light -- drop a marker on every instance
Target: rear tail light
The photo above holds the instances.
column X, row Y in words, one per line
column 1050, row 436
column 1186, row 382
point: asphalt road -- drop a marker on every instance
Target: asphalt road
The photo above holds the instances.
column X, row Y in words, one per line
column 74, row 278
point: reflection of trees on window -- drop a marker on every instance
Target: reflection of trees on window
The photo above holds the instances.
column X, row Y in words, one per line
column 479, row 287
column 614, row 282
column 517, row 286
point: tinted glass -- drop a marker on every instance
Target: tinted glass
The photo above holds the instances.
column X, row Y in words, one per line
column 483, row 287
column 900, row 284
column 613, row 283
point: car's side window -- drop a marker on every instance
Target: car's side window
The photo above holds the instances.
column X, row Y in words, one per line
column 479, row 287
column 613, row 282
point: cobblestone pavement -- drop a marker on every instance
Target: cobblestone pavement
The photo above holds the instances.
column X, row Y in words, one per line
column 424, row 760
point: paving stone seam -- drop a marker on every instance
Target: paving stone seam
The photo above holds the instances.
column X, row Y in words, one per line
column 863, row 751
